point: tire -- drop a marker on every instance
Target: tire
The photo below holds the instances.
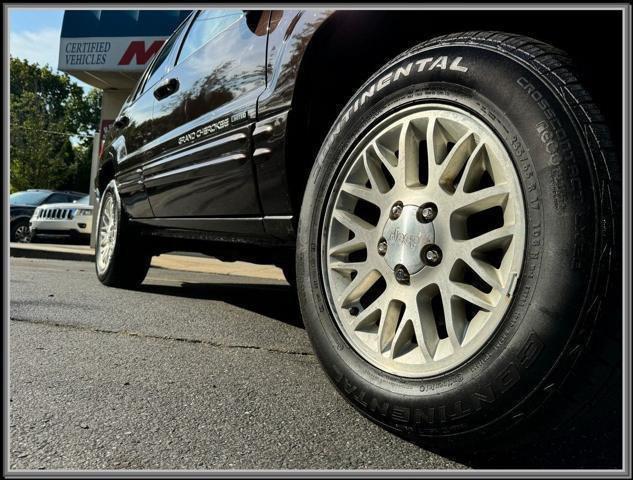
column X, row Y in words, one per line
column 17, row 231
column 559, row 341
column 127, row 259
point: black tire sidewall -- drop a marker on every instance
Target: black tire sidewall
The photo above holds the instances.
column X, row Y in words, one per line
column 560, row 241
column 14, row 228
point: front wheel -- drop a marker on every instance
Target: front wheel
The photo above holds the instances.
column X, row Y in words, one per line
column 20, row 231
column 456, row 241
column 121, row 261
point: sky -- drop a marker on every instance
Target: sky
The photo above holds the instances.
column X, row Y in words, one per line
column 34, row 35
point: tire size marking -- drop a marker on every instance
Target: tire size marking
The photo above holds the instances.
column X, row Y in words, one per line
column 559, row 149
column 534, row 234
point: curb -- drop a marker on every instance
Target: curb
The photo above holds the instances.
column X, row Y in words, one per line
column 51, row 254
column 166, row 262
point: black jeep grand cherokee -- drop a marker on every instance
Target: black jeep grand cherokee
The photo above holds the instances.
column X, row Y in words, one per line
column 451, row 213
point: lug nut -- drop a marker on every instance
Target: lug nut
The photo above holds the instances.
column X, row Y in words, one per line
column 382, row 247
column 396, row 210
column 353, row 311
column 427, row 212
column 402, row 274
column 431, row 255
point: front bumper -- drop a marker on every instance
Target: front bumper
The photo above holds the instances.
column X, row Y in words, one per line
column 78, row 225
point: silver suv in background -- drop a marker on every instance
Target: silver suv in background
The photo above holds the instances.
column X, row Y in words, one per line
column 24, row 203
column 72, row 220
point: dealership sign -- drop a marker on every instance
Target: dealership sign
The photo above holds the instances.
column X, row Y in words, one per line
column 107, row 53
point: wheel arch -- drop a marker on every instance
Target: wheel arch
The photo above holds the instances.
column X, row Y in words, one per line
column 105, row 173
column 19, row 218
column 347, row 47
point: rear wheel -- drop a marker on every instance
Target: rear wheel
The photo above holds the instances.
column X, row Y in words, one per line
column 457, row 211
column 121, row 260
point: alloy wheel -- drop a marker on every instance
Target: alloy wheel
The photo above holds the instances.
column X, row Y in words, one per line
column 108, row 226
column 423, row 240
column 22, row 234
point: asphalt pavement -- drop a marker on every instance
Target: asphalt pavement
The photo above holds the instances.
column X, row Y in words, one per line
column 192, row 371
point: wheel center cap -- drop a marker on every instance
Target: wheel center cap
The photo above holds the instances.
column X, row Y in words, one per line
column 405, row 237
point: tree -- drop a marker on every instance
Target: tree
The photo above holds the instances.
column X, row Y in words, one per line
column 82, row 165
column 52, row 122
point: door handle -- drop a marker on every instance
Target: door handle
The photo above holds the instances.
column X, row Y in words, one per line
column 122, row 122
column 166, row 88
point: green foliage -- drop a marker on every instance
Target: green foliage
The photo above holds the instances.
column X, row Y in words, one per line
column 52, row 122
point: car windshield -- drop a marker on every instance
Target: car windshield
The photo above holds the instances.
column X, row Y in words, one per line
column 84, row 200
column 28, row 198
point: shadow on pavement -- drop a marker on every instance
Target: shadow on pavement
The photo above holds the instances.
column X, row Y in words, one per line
column 594, row 441
column 275, row 301
column 574, row 450
column 62, row 240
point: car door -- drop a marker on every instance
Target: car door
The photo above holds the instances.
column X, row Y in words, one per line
column 201, row 164
column 136, row 131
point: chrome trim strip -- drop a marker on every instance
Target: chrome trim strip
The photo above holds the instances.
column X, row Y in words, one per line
column 194, row 166
column 261, row 151
column 262, row 129
column 123, row 185
column 188, row 150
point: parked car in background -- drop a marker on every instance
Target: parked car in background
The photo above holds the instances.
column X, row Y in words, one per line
column 72, row 220
column 23, row 204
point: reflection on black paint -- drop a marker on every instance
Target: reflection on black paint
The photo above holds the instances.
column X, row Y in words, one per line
column 213, row 77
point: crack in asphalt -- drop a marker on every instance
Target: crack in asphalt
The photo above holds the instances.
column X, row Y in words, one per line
column 131, row 333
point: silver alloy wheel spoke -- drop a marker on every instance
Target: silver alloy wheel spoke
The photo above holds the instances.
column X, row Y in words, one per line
column 397, row 308
column 22, row 234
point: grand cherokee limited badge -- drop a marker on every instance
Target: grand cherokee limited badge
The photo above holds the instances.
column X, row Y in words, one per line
column 204, row 131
